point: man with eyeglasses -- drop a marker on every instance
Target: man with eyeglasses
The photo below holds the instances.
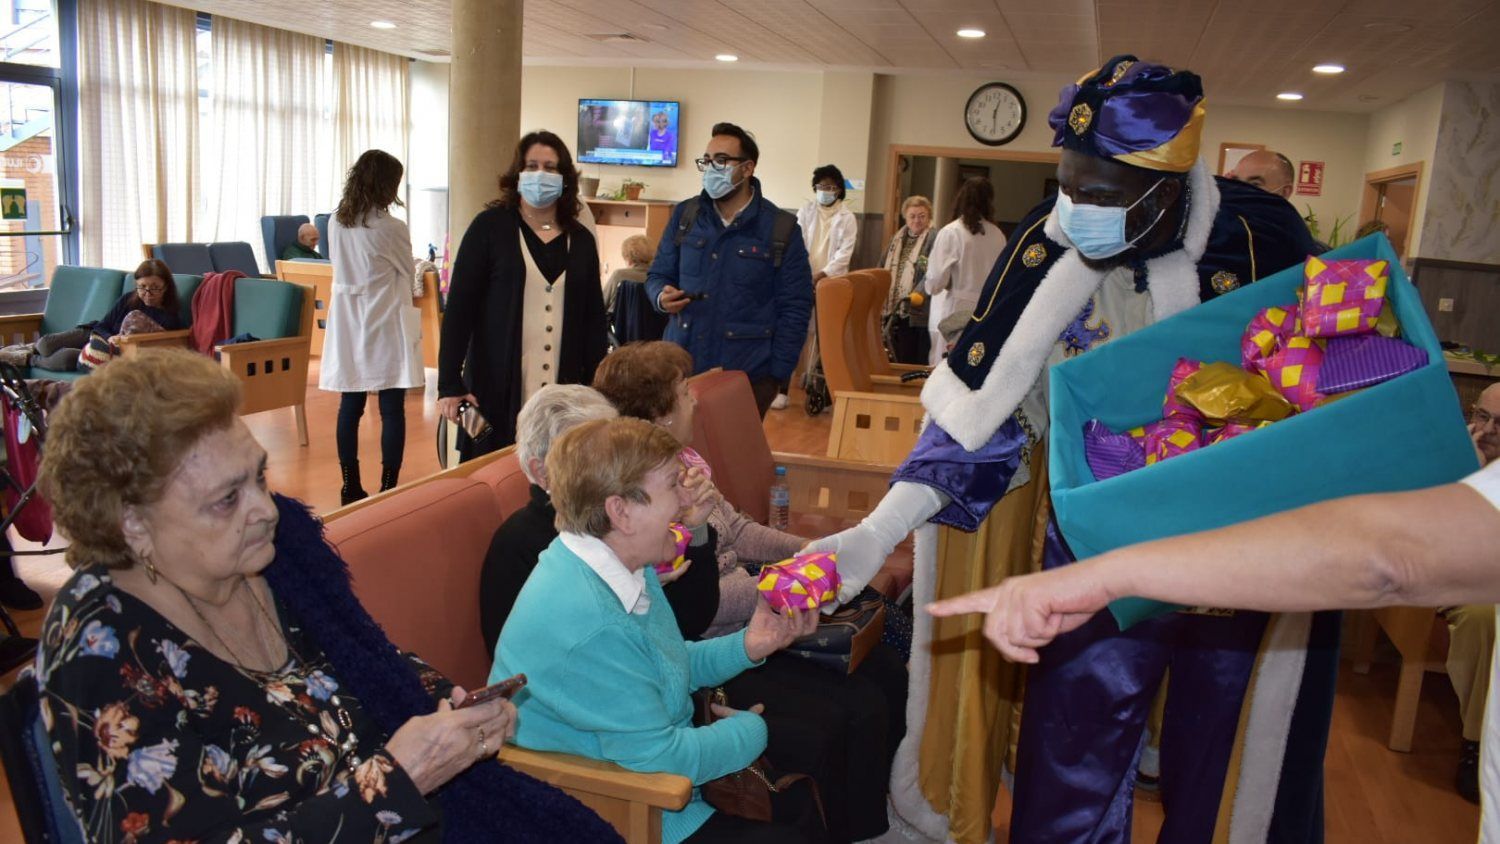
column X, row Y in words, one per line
column 732, row 272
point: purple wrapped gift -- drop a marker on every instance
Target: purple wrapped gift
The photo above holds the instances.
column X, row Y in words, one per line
column 1363, row 360
column 1109, row 453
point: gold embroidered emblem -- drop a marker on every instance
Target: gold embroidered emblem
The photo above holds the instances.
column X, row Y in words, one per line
column 976, row 354
column 1223, row 281
column 1114, row 78
column 1034, row 255
column 1080, row 118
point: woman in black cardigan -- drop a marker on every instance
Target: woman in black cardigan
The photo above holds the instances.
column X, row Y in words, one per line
column 524, row 306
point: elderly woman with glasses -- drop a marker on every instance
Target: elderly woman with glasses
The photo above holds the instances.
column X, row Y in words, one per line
column 610, row 674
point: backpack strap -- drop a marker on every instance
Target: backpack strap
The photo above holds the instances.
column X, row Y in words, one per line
column 781, row 234
column 685, row 220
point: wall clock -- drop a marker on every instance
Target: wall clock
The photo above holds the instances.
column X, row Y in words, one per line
column 995, row 114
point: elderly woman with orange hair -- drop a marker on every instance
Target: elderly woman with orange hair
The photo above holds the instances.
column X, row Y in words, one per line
column 206, row 673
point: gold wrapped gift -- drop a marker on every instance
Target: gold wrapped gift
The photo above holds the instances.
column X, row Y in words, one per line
column 1223, row 391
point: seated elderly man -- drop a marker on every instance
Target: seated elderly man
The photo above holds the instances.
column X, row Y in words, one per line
column 305, row 247
column 692, row 590
column 1270, row 171
column 610, row 674
column 206, row 673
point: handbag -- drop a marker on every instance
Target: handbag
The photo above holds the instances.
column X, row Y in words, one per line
column 844, row 638
column 747, row 793
column 473, row 422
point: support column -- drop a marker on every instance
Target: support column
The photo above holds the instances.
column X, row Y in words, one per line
column 944, row 191
column 484, row 104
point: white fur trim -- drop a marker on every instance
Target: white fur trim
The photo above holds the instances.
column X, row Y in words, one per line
column 1277, row 685
column 919, row 821
column 971, row 417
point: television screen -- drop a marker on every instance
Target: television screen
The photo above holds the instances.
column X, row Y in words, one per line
column 640, row 132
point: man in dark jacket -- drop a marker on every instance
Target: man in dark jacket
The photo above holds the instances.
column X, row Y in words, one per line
column 731, row 274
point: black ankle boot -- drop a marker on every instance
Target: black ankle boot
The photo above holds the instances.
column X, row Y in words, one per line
column 388, row 476
column 351, row 491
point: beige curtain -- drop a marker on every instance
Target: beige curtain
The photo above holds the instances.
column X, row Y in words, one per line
column 138, row 120
column 267, row 140
column 372, row 105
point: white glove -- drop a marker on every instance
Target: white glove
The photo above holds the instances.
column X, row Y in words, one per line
column 863, row 549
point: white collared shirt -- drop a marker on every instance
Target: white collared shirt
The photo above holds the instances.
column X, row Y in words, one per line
column 1487, row 483
column 629, row 586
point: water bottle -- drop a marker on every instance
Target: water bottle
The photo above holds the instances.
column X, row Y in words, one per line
column 781, row 501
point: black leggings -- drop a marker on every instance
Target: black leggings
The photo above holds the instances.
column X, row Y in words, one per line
column 392, row 426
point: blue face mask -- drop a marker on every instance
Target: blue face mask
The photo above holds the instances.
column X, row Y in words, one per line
column 539, row 188
column 1099, row 230
column 827, row 197
column 719, row 183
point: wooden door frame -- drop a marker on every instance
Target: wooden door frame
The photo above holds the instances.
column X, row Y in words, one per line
column 1371, row 195
column 893, row 198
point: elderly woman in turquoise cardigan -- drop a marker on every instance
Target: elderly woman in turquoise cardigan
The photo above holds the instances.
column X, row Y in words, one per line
column 610, row 675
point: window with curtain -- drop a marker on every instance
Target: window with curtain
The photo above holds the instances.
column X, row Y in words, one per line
column 185, row 147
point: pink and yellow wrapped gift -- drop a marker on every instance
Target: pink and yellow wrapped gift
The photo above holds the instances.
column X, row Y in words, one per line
column 682, row 536
column 1172, row 405
column 805, row 582
column 1343, row 297
column 1267, row 330
column 1294, row 371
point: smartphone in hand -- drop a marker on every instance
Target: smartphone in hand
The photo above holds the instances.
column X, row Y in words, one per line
column 505, row 688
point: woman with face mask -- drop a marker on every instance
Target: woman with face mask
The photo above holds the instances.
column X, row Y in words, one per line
column 525, row 307
column 829, row 229
column 374, row 339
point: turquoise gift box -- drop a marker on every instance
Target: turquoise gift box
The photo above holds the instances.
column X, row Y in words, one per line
column 1406, row 433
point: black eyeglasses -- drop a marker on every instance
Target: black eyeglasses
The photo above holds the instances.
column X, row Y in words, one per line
column 718, row 162
column 142, row 288
column 1482, row 418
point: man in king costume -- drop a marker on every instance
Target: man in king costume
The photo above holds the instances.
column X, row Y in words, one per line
column 1139, row 231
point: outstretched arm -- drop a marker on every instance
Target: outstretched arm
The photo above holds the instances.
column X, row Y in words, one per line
column 1427, row 548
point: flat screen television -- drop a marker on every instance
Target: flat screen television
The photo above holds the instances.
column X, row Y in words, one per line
column 639, row 132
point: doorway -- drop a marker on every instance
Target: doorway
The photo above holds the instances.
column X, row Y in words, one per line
column 1390, row 198
column 1020, row 179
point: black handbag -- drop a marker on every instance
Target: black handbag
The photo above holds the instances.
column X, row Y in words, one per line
column 753, row 791
column 844, row 638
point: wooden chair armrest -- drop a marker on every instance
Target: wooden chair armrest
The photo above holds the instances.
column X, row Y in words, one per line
column 27, row 324
column 884, row 383
column 260, row 347
column 910, row 367
column 131, row 344
column 591, row 776
column 812, row 461
column 904, row 396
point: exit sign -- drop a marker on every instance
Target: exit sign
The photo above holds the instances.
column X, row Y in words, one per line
column 1396, row 148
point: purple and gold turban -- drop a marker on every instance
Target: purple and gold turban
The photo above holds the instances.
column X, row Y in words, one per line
column 1138, row 113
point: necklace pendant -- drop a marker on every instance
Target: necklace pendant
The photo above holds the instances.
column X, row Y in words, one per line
column 313, row 728
column 546, row 227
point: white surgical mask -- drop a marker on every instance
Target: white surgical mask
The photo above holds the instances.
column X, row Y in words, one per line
column 539, row 188
column 827, row 197
column 1099, row 230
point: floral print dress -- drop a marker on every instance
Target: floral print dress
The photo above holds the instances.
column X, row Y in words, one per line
column 157, row 739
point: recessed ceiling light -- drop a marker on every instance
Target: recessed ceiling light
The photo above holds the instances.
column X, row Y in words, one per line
column 1288, row 95
column 382, row 24
column 1329, row 69
column 971, row 33
column 727, row 57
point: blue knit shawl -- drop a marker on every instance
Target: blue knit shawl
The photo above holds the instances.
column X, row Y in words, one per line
column 487, row 802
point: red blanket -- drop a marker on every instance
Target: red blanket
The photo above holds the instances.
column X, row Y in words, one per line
column 213, row 310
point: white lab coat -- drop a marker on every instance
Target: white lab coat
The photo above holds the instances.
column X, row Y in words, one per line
column 842, row 232
column 374, row 333
column 957, row 267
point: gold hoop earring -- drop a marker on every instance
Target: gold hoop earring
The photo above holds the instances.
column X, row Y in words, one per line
column 150, row 567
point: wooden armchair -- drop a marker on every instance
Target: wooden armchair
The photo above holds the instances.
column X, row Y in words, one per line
column 318, row 276
column 880, row 362
column 1421, row 638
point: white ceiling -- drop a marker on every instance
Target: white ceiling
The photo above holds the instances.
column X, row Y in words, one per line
column 1245, row 51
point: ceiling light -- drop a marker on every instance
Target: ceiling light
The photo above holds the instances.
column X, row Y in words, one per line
column 727, row 57
column 1328, row 69
column 382, row 24
column 1288, row 95
column 971, row 33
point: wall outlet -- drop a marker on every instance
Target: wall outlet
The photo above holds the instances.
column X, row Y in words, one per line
column 1445, row 305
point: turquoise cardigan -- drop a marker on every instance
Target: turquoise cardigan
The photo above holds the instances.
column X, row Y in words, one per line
column 606, row 684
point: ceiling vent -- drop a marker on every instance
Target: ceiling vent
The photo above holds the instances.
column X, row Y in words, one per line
column 619, row 38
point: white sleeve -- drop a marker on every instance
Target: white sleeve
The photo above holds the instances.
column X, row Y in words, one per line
column 805, row 216
column 1486, row 482
column 841, row 251
column 946, row 250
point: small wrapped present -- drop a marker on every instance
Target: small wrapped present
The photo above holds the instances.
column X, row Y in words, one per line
column 1222, row 391
column 1231, row 429
column 693, row 460
column 1365, row 360
column 1387, row 325
column 1343, row 297
column 1172, row 405
column 805, row 582
column 1109, row 453
column 1294, row 371
column 683, row 536
column 1173, row 436
column 1265, row 334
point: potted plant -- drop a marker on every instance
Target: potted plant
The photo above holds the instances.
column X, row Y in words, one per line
column 632, row 189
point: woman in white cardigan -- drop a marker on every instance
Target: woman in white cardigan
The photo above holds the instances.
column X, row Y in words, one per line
column 374, row 332
column 829, row 230
column 963, row 253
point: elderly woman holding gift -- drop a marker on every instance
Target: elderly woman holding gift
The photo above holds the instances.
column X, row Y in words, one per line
column 207, row 673
column 839, row 728
column 610, row 675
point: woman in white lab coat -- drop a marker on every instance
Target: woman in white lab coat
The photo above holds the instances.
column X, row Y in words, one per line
column 963, row 253
column 373, row 340
column 829, row 230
